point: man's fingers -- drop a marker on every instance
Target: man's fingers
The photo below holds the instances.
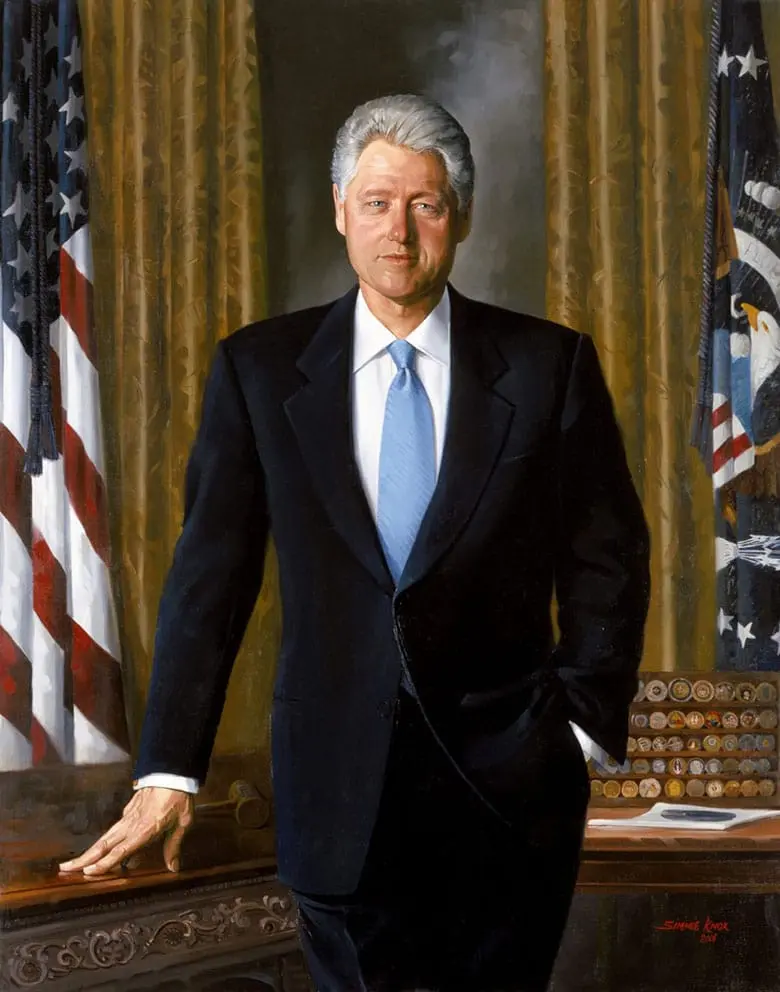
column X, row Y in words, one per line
column 172, row 847
column 119, row 853
column 99, row 849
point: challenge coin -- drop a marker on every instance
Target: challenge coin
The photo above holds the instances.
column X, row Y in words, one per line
column 747, row 766
column 629, row 789
column 693, row 744
column 746, row 692
column 730, row 720
column 649, row 788
column 657, row 720
column 711, row 742
column 749, row 788
column 656, row 691
column 714, row 788
column 694, row 720
column 766, row 742
column 678, row 766
column 675, row 719
column 631, row 745
column 732, row 788
column 644, row 743
column 680, row 690
column 696, row 766
column 766, row 787
column 729, row 742
column 640, row 721
column 659, row 766
column 765, row 692
column 763, row 766
column 659, row 743
column 611, row 789
column 695, row 788
column 767, row 719
column 703, row 691
column 712, row 718
column 674, row 788
column 731, row 766
column 641, row 766
column 725, row 692
column 748, row 719
column 596, row 789
column 674, row 744
column 714, row 766
column 748, row 742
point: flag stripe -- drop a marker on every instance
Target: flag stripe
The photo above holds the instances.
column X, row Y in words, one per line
column 15, row 487
column 15, row 684
column 76, row 305
column 96, row 681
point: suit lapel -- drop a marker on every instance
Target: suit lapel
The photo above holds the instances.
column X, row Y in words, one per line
column 321, row 416
column 477, row 427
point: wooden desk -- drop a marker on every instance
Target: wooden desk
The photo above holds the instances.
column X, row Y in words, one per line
column 223, row 922
column 741, row 860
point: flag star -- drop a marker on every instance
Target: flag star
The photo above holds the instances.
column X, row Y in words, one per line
column 75, row 57
column 78, row 158
column 51, row 199
column 22, row 261
column 776, row 638
column 21, row 306
column 53, row 139
column 16, row 210
column 724, row 61
column 724, row 622
column 71, row 205
column 26, row 58
column 51, row 86
column 51, row 242
column 750, row 64
column 10, row 108
column 744, row 633
column 73, row 108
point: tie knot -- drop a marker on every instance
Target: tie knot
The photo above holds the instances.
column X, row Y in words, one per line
column 402, row 354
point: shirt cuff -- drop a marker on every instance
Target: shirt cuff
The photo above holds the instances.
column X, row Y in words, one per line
column 589, row 747
column 162, row 780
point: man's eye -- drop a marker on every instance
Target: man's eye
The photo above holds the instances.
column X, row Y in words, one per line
column 428, row 207
column 376, row 203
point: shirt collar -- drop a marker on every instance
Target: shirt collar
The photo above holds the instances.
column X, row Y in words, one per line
column 431, row 337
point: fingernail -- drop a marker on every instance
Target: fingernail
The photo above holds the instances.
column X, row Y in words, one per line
column 90, row 869
column 175, row 864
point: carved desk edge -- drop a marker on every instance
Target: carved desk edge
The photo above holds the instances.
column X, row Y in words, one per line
column 251, row 918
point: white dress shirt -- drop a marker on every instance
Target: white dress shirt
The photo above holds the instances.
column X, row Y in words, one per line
column 373, row 370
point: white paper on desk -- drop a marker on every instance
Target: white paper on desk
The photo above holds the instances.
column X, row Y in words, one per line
column 652, row 818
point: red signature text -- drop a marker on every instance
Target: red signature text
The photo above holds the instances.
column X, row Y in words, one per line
column 708, row 930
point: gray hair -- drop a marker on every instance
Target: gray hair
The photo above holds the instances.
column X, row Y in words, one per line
column 413, row 122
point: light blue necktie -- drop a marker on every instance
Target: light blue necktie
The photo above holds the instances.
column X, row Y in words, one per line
column 407, row 460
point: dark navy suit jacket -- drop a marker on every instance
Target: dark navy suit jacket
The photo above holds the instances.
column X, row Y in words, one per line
column 534, row 493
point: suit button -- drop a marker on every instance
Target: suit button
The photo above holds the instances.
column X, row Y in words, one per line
column 385, row 708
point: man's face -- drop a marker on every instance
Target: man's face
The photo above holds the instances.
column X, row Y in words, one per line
column 401, row 222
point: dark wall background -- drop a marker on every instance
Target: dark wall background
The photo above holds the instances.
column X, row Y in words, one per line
column 482, row 59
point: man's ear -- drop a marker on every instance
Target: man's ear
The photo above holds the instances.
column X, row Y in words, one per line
column 465, row 222
column 338, row 206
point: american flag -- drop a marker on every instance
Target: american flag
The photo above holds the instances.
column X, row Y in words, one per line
column 60, row 680
column 738, row 423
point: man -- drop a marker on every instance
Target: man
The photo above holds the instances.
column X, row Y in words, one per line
column 429, row 467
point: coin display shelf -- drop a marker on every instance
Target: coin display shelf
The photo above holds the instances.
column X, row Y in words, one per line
column 695, row 737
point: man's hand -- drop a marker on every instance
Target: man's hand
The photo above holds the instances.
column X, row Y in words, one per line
column 151, row 812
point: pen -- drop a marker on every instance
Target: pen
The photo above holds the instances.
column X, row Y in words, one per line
column 696, row 814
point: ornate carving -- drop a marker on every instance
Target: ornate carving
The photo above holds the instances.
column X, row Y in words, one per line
column 35, row 962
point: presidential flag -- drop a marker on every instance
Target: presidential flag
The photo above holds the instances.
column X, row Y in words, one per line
column 737, row 427
column 60, row 680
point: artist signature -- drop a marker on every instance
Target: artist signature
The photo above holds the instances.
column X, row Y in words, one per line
column 708, row 930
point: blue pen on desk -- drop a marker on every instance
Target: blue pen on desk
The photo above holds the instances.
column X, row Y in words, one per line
column 697, row 814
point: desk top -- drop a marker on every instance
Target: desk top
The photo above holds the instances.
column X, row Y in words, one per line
column 761, row 836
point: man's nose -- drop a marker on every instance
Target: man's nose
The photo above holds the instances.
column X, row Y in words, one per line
column 401, row 225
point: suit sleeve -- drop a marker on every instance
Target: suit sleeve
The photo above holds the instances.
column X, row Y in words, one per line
column 602, row 561
column 211, row 587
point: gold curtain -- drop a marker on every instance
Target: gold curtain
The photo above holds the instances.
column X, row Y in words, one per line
column 625, row 111
column 173, row 108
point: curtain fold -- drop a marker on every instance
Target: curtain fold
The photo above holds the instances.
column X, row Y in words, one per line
column 174, row 106
column 625, row 113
